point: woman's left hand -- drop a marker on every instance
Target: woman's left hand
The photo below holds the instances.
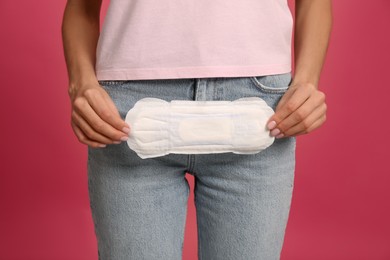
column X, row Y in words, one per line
column 300, row 110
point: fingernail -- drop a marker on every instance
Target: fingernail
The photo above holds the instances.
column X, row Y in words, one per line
column 101, row 145
column 279, row 135
column 116, row 142
column 271, row 125
column 275, row 132
column 126, row 130
column 124, row 138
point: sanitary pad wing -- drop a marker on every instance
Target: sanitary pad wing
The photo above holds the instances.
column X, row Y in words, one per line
column 159, row 127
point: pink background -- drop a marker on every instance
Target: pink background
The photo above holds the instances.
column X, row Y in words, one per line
column 341, row 204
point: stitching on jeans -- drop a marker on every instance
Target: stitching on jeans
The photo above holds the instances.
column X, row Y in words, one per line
column 188, row 162
column 191, row 163
column 266, row 88
column 256, row 80
column 197, row 89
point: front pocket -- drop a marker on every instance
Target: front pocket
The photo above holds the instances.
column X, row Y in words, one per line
column 277, row 83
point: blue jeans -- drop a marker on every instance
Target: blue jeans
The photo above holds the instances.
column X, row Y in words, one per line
column 242, row 201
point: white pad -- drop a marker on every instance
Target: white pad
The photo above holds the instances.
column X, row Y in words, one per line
column 159, row 127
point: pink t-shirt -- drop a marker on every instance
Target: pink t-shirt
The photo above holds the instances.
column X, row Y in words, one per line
column 161, row 39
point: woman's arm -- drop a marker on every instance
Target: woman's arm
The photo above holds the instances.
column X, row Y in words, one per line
column 95, row 119
column 302, row 108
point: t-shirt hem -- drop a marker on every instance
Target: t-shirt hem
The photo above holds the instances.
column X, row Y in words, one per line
column 191, row 72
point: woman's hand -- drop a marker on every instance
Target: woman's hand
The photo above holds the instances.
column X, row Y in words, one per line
column 300, row 110
column 95, row 119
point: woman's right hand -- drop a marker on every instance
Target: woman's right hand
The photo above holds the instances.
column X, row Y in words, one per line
column 95, row 119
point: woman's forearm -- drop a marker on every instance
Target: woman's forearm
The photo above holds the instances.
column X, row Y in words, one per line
column 94, row 117
column 313, row 22
column 80, row 33
column 303, row 107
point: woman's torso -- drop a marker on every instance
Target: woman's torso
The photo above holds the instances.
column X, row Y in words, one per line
column 149, row 39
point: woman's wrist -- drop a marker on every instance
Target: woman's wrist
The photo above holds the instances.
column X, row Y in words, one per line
column 299, row 80
column 80, row 81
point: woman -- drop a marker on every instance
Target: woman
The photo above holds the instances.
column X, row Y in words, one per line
column 192, row 50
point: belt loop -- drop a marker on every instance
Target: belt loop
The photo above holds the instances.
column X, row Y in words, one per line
column 200, row 89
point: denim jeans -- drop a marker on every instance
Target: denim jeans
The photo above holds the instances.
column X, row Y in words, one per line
column 242, row 201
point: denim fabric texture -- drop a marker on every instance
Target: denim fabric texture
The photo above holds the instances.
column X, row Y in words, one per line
column 242, row 201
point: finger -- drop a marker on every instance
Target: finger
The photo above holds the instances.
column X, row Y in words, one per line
column 314, row 126
column 84, row 139
column 111, row 104
column 105, row 108
column 99, row 125
column 304, row 125
column 286, row 96
column 299, row 115
column 307, row 122
column 89, row 131
column 293, row 103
